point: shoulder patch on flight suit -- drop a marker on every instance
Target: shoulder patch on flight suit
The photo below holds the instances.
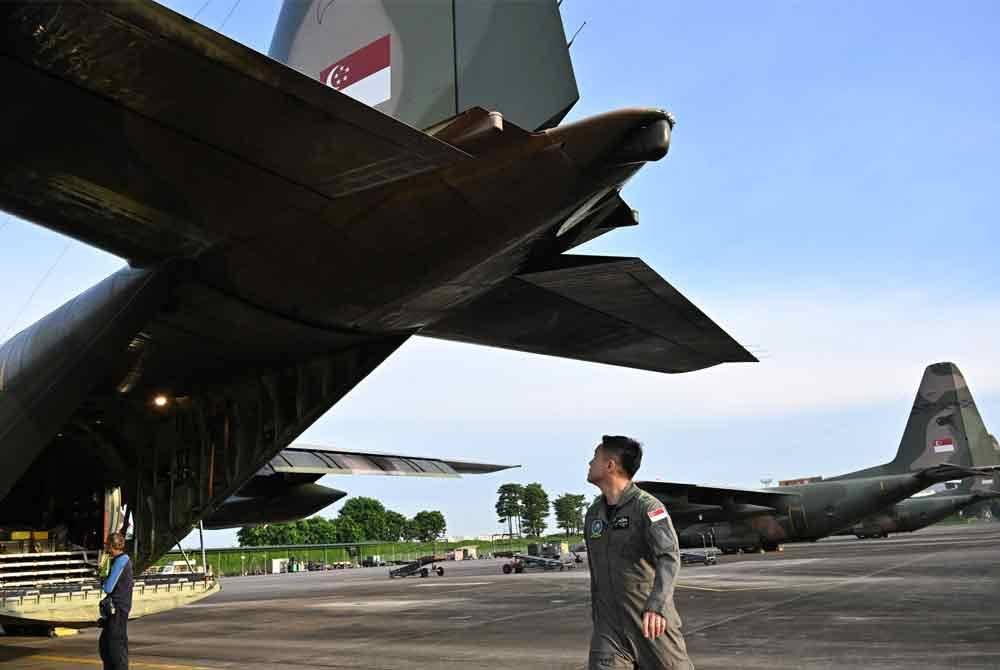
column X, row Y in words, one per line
column 658, row 514
column 620, row 523
column 597, row 527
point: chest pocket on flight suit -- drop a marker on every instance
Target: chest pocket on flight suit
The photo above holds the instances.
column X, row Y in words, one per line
column 625, row 536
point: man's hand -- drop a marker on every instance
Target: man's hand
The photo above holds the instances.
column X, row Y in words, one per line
column 653, row 625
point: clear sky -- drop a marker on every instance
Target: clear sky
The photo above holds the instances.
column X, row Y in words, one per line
column 829, row 198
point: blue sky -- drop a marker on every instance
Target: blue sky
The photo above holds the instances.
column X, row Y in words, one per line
column 829, row 198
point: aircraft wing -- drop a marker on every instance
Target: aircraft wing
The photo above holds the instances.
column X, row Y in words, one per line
column 191, row 140
column 689, row 503
column 594, row 308
column 285, row 489
column 315, row 459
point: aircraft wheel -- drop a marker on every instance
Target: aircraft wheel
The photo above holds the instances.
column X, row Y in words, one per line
column 440, row 572
column 507, row 569
column 424, row 572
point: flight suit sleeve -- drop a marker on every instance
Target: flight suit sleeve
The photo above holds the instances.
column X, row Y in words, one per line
column 662, row 542
column 590, row 565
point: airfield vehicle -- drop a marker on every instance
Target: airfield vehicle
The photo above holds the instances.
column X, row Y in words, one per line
column 423, row 566
column 520, row 562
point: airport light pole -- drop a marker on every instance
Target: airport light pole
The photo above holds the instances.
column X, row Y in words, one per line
column 201, row 540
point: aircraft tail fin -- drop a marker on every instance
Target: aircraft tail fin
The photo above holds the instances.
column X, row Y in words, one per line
column 944, row 425
column 424, row 62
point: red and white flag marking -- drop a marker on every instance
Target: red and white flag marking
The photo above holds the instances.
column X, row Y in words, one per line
column 657, row 514
column 943, row 446
column 364, row 75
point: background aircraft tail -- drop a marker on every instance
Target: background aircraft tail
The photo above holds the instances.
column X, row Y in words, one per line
column 425, row 62
column 944, row 427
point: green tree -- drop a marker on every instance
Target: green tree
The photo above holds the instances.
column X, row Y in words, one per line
column 251, row 536
column 369, row 516
column 395, row 526
column 509, row 506
column 275, row 533
column 569, row 510
column 534, row 509
column 347, row 530
column 318, row 530
column 428, row 525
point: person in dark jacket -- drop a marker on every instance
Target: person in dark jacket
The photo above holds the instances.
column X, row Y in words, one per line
column 634, row 560
column 115, row 606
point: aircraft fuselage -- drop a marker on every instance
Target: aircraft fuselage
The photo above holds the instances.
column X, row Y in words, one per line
column 814, row 510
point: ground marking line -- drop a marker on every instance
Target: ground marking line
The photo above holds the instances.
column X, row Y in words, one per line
column 133, row 664
column 802, row 596
column 439, row 585
column 725, row 590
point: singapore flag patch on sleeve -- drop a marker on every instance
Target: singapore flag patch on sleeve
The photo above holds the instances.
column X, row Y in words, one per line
column 658, row 514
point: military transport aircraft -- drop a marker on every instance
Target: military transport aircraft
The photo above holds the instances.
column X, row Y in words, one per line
column 928, row 508
column 288, row 228
column 943, row 433
column 921, row 511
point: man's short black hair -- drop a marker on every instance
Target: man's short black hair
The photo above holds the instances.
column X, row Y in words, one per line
column 626, row 451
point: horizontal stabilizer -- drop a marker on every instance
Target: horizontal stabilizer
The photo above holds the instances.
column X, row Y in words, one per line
column 945, row 472
column 987, row 484
column 182, row 139
column 592, row 308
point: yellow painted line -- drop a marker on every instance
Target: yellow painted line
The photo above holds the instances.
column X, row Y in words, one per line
column 82, row 660
column 724, row 590
column 701, row 588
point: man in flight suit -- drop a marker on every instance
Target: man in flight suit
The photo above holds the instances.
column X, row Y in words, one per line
column 115, row 606
column 634, row 561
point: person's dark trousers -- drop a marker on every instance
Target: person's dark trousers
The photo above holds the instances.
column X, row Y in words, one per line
column 114, row 644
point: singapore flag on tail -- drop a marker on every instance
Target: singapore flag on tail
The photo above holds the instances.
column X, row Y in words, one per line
column 364, row 75
column 944, row 446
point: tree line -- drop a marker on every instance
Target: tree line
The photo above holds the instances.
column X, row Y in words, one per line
column 361, row 519
column 524, row 509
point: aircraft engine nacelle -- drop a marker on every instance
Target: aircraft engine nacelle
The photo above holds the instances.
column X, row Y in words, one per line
column 295, row 502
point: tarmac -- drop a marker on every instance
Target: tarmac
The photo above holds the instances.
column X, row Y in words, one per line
column 922, row 600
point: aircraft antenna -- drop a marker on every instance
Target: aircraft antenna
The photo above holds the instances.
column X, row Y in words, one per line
column 233, row 9
column 201, row 9
column 48, row 273
column 321, row 11
column 573, row 39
